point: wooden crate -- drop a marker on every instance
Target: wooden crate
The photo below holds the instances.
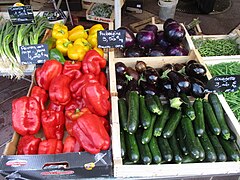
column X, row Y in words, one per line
column 164, row 170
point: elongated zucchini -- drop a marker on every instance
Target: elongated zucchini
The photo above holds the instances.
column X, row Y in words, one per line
column 177, row 154
column 165, row 149
column 210, row 154
column 172, row 123
column 144, row 150
column 148, row 133
column 187, row 107
column 123, row 113
column 159, row 103
column 161, row 121
column 219, row 113
column 181, row 140
column 133, row 112
column 132, row 147
column 145, row 116
column 188, row 159
column 199, row 124
column 210, row 118
column 156, row 153
column 201, row 150
column 123, row 144
column 152, row 104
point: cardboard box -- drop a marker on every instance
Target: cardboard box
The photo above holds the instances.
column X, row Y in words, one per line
column 165, row 170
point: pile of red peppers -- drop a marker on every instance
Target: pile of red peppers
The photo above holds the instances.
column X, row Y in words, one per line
column 70, row 97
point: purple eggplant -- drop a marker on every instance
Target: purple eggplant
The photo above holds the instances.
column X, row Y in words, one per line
column 176, row 50
column 140, row 66
column 156, row 51
column 151, row 75
column 132, row 73
column 147, row 88
column 134, row 51
column 120, row 68
column 195, row 70
column 130, row 39
column 151, row 27
column 146, row 39
column 174, row 33
column 168, row 22
column 181, row 83
column 197, row 88
column 161, row 40
column 122, row 84
column 166, row 88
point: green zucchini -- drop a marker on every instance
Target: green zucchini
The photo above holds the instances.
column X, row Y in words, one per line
column 181, row 140
column 188, row 159
column 187, row 129
column 123, row 113
column 230, row 149
column 132, row 147
column 144, row 150
column 210, row 118
column 156, row 154
column 187, row 107
column 210, row 154
column 161, row 121
column 219, row 113
column 145, row 116
column 133, row 112
column 152, row 104
column 175, row 149
column 147, row 133
column 159, row 103
column 199, row 124
column 172, row 123
column 123, row 144
column 165, row 149
column 221, row 155
column 201, row 150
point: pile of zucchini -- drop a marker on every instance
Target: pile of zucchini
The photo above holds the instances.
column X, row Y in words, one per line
column 154, row 132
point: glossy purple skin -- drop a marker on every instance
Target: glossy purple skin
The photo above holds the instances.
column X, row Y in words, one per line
column 176, row 51
column 168, row 22
column 151, row 27
column 161, row 40
column 146, row 39
column 130, row 39
column 156, row 51
column 174, row 33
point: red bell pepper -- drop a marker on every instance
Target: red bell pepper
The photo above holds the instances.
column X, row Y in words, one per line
column 91, row 134
column 105, row 123
column 102, row 79
column 96, row 97
column 69, row 126
column 40, row 95
column 93, row 62
column 77, row 85
column 71, row 145
column 45, row 74
column 75, row 104
column 55, row 107
column 26, row 113
column 28, row 144
column 53, row 124
column 59, row 91
column 50, row 146
column 72, row 69
column 74, row 114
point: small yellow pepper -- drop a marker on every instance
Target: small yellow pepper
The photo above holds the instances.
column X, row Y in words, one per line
column 83, row 42
column 99, row 50
column 76, row 52
column 59, row 31
column 92, row 39
column 77, row 32
column 62, row 45
column 95, row 28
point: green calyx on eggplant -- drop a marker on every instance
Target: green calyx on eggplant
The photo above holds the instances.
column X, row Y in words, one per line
column 134, row 51
column 176, row 50
column 156, row 51
column 132, row 74
column 181, row 83
column 146, row 39
column 174, row 33
column 130, row 39
column 151, row 27
column 197, row 88
column 195, row 70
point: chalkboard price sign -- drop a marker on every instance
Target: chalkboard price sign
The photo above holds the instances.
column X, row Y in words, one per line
column 223, row 83
column 34, row 54
column 21, row 15
column 111, row 38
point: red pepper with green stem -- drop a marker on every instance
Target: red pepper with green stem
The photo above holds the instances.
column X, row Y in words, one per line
column 26, row 114
column 27, row 145
column 53, row 124
column 40, row 95
column 50, row 146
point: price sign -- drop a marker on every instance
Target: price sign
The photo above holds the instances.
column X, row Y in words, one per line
column 34, row 54
column 21, row 15
column 223, row 83
column 111, row 38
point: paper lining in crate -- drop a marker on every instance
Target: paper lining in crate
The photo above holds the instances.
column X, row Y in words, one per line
column 164, row 170
column 235, row 36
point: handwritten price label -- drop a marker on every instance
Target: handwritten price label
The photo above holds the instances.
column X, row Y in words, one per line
column 111, row 38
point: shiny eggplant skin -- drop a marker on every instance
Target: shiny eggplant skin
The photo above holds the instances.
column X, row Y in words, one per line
column 151, row 75
column 121, row 85
column 147, row 88
column 176, row 50
column 134, row 51
column 151, row 27
column 146, row 39
column 168, row 22
column 166, row 87
column 174, row 33
column 196, row 70
column 161, row 40
column 156, row 51
column 130, row 39
column 120, row 68
column 197, row 88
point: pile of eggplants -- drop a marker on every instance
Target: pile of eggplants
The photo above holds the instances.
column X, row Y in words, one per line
column 169, row 81
column 149, row 41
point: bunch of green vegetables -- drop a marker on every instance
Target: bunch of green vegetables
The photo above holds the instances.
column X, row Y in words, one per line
column 216, row 47
column 12, row 37
column 102, row 10
column 233, row 98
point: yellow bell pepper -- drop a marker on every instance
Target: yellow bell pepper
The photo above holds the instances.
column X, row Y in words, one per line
column 83, row 42
column 62, row 45
column 77, row 32
column 76, row 52
column 99, row 50
column 92, row 39
column 95, row 28
column 59, row 31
